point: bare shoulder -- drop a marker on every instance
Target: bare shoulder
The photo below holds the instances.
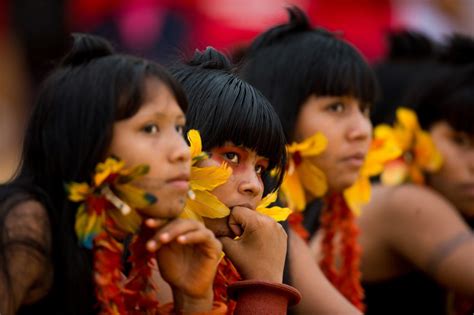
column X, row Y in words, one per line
column 411, row 203
column 28, row 220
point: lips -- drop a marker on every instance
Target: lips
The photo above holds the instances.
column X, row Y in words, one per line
column 180, row 182
column 355, row 160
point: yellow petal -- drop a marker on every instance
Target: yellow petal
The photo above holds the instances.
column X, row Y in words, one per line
column 276, row 213
column 195, row 142
column 269, row 199
column 208, row 178
column 207, row 205
column 103, row 170
column 129, row 223
column 358, row 194
column 312, row 178
column 189, row 214
column 395, row 173
column 311, row 146
column 426, row 154
column 77, row 191
column 293, row 192
column 407, row 118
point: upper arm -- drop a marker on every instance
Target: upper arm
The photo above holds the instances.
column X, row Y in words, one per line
column 25, row 256
column 426, row 230
column 319, row 296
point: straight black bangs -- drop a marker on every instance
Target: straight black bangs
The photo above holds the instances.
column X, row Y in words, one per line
column 226, row 109
column 308, row 63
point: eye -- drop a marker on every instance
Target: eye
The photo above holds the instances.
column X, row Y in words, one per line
column 337, row 107
column 463, row 140
column 151, row 128
column 180, row 129
column 260, row 169
column 232, row 157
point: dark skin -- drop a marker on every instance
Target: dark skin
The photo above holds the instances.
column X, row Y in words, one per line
column 424, row 227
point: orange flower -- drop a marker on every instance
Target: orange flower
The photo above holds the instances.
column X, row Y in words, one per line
column 302, row 175
column 419, row 154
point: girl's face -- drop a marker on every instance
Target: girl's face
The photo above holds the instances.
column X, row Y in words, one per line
column 455, row 179
column 244, row 187
column 154, row 136
column 346, row 125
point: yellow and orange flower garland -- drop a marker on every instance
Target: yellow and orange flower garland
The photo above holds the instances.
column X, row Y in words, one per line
column 107, row 213
column 419, row 154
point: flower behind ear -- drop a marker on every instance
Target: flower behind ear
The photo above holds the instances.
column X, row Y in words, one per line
column 203, row 181
column 302, row 175
column 419, row 153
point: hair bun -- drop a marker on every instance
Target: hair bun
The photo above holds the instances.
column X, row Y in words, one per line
column 210, row 59
column 459, row 50
column 410, row 45
column 86, row 47
column 297, row 22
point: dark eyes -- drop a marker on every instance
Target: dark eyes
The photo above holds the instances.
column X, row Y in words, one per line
column 232, row 156
column 151, row 128
column 180, row 129
column 336, row 107
column 463, row 140
column 259, row 169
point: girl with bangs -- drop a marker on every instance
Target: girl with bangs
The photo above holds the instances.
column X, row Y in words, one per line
column 240, row 128
column 240, row 132
column 62, row 237
column 418, row 235
column 322, row 90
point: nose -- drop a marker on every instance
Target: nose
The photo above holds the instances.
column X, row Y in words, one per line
column 180, row 150
column 360, row 127
column 249, row 183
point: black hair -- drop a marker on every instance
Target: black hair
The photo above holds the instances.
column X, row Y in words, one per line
column 411, row 54
column 224, row 108
column 445, row 91
column 69, row 132
column 290, row 62
column 446, row 95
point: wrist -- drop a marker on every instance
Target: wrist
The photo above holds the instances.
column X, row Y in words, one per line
column 185, row 303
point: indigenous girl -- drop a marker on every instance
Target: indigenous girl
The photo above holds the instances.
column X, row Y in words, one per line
column 100, row 104
column 240, row 128
column 322, row 89
column 417, row 235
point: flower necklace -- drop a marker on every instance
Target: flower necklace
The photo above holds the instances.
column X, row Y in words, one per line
column 106, row 215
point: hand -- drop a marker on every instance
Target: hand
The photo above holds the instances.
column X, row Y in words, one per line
column 187, row 254
column 259, row 252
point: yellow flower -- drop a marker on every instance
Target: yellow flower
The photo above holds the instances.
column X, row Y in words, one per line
column 276, row 213
column 302, row 175
column 111, row 196
column 419, row 153
column 383, row 148
column 203, row 180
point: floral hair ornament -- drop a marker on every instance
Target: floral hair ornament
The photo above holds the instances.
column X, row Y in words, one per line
column 302, row 174
column 106, row 215
column 383, row 148
column 201, row 202
column 419, row 153
column 205, row 179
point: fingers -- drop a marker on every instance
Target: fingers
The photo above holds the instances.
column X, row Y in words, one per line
column 182, row 231
column 201, row 236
